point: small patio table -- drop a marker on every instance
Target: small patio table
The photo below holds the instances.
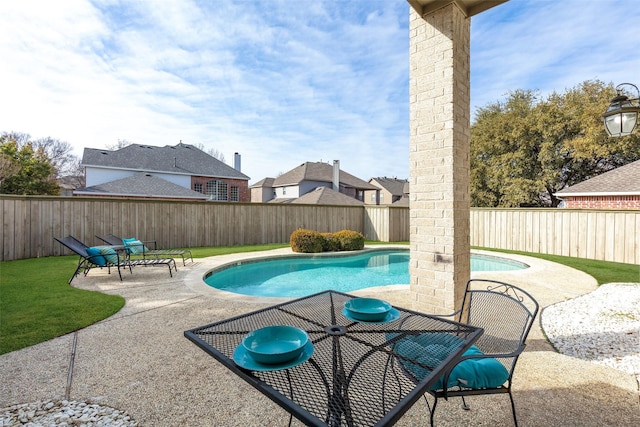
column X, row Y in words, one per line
column 357, row 374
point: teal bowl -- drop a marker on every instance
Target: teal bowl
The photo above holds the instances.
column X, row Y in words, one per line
column 275, row 344
column 367, row 309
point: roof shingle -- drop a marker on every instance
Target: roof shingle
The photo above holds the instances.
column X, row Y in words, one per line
column 179, row 159
column 622, row 180
column 319, row 172
column 140, row 185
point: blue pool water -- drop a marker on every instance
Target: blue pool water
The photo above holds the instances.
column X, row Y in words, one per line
column 298, row 276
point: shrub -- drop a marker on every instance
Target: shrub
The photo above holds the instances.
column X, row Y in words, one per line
column 330, row 243
column 350, row 240
column 306, row 241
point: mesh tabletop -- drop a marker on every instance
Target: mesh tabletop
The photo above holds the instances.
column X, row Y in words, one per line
column 360, row 374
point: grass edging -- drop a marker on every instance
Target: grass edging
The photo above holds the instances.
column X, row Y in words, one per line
column 602, row 271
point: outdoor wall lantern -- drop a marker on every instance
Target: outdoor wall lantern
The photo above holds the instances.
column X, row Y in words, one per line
column 622, row 115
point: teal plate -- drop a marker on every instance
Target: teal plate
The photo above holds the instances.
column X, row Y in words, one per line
column 244, row 359
column 392, row 315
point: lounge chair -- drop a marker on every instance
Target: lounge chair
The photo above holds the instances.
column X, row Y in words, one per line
column 138, row 247
column 107, row 256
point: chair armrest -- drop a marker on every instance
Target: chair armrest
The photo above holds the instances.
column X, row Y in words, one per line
column 516, row 353
column 454, row 314
column 148, row 243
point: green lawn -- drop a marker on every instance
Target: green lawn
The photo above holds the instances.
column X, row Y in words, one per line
column 602, row 271
column 37, row 304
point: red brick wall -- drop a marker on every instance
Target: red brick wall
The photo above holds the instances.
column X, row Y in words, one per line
column 243, row 186
column 602, row 202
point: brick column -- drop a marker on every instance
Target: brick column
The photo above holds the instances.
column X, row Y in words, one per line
column 439, row 158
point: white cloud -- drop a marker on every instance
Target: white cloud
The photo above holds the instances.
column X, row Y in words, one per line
column 279, row 83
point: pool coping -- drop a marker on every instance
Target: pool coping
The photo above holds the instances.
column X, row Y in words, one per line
column 194, row 279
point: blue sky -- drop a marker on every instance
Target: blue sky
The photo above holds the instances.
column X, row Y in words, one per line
column 279, row 81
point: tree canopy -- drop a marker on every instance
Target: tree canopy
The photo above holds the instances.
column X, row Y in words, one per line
column 31, row 167
column 526, row 148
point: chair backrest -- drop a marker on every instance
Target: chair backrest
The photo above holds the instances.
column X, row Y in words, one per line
column 111, row 240
column 74, row 245
column 505, row 312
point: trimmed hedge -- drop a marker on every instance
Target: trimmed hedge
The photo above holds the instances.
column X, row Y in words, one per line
column 330, row 242
column 350, row 240
column 309, row 241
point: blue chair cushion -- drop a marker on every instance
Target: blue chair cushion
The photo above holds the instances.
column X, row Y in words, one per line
column 480, row 373
column 432, row 348
column 96, row 257
column 134, row 246
column 108, row 253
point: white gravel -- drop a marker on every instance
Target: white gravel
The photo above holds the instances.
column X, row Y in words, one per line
column 602, row 326
column 64, row 413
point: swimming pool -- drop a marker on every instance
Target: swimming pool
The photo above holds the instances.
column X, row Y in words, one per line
column 296, row 276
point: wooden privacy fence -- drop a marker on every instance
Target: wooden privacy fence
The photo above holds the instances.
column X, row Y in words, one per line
column 29, row 224
column 594, row 234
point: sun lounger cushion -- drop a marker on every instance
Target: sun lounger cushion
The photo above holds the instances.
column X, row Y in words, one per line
column 431, row 349
column 108, row 253
column 134, row 246
column 96, row 257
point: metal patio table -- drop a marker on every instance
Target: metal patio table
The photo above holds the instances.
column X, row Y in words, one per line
column 356, row 376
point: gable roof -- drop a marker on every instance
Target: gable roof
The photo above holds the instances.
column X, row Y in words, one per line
column 140, row 185
column 624, row 180
column 402, row 201
column 326, row 196
column 183, row 159
column 394, row 186
column 266, row 182
column 319, row 172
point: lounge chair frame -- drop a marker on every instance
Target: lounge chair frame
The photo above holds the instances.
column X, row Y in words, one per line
column 114, row 240
column 86, row 262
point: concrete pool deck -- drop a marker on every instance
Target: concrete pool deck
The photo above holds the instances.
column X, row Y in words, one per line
column 138, row 360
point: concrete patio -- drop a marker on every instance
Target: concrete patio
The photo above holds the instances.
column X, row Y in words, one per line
column 139, row 361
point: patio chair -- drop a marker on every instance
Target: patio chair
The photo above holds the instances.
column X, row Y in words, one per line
column 138, row 247
column 95, row 257
column 107, row 256
column 506, row 314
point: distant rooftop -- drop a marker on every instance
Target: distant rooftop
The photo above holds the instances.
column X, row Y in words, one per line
column 624, row 180
column 140, row 185
column 179, row 159
column 319, row 172
column 395, row 186
column 326, row 196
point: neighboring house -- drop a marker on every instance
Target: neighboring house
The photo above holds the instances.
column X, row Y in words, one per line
column 262, row 191
column 68, row 184
column 180, row 171
column 327, row 196
column 392, row 190
column 141, row 184
column 616, row 189
column 306, row 178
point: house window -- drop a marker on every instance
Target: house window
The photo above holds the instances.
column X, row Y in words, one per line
column 381, row 198
column 217, row 190
column 197, row 187
column 373, row 197
column 234, row 194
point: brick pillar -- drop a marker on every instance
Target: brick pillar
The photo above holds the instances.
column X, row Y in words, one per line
column 439, row 158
